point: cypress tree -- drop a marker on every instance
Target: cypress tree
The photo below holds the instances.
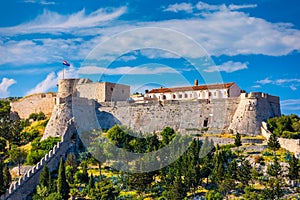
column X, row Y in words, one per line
column 6, row 176
column 91, row 184
column 62, row 185
column 2, row 186
column 44, row 177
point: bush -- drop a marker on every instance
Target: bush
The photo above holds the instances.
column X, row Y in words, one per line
column 33, row 157
column 37, row 116
column 40, row 149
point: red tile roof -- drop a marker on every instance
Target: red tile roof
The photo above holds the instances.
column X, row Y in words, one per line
column 190, row 88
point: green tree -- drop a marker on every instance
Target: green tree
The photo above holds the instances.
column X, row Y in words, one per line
column 45, row 178
column 3, row 144
column 18, row 156
column 2, row 185
column 85, row 175
column 91, row 184
column 237, row 140
column 244, row 172
column 104, row 190
column 41, row 193
column 116, row 135
column 15, row 129
column 294, row 168
column 71, row 167
column 273, row 142
column 6, row 176
column 62, row 185
column 167, row 134
column 273, row 189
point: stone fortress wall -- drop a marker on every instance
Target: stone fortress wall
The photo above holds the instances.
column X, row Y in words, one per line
column 34, row 103
column 243, row 114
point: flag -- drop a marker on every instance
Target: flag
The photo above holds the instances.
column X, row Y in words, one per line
column 66, row 63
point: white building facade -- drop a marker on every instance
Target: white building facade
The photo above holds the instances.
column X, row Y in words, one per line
column 210, row 91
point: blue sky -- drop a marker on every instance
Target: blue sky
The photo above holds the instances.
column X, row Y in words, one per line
column 254, row 43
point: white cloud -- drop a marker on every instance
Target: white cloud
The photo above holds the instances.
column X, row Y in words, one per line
column 292, row 83
column 228, row 67
column 39, row 51
column 264, row 81
column 204, row 6
column 282, row 81
column 290, row 104
column 53, row 22
column 52, row 79
column 256, row 86
column 4, row 85
column 43, row 2
column 177, row 7
column 237, row 7
column 142, row 70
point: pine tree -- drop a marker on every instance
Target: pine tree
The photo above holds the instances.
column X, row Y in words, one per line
column 244, row 172
column 273, row 142
column 273, row 189
column 294, row 168
column 72, row 162
column 104, row 190
column 237, row 140
column 62, row 185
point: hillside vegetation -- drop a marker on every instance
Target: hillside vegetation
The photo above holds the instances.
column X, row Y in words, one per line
column 286, row 126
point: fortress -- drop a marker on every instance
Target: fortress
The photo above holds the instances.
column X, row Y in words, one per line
column 82, row 103
column 216, row 107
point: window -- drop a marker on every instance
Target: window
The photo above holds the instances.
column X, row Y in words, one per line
column 185, row 96
column 180, row 96
column 191, row 95
column 205, row 122
column 215, row 93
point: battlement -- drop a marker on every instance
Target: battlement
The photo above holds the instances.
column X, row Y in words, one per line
column 260, row 95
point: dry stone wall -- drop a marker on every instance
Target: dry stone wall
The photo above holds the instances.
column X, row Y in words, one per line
column 34, row 104
column 292, row 145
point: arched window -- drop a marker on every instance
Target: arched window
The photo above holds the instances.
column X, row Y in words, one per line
column 174, row 96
